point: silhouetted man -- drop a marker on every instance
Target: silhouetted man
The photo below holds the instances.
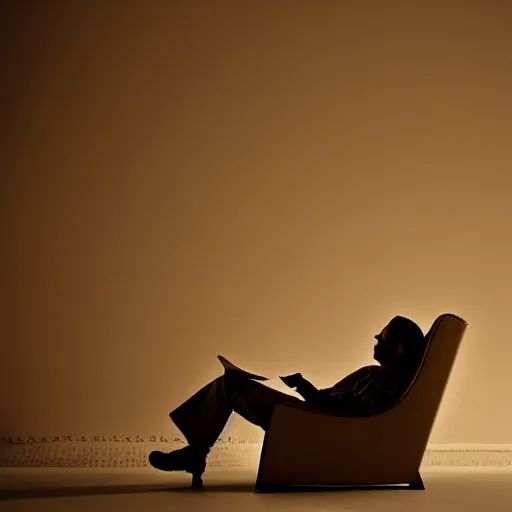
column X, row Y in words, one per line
column 369, row 390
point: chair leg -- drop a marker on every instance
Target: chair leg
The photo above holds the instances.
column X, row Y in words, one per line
column 417, row 483
column 266, row 489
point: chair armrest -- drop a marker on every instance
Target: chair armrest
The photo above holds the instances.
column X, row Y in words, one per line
column 327, row 412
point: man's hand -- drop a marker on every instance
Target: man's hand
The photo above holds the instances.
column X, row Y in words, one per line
column 292, row 381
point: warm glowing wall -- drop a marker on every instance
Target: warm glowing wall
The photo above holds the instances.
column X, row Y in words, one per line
column 267, row 180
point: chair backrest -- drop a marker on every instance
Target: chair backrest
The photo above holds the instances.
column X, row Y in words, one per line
column 420, row 402
column 428, row 344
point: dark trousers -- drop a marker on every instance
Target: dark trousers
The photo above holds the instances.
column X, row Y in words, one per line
column 203, row 416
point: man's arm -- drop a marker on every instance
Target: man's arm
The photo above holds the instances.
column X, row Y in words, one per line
column 307, row 391
column 302, row 386
column 375, row 396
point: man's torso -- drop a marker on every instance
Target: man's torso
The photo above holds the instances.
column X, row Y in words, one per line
column 369, row 390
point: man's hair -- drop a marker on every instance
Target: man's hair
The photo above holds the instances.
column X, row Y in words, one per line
column 404, row 331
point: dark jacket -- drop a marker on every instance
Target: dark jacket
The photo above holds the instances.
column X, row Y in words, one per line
column 367, row 391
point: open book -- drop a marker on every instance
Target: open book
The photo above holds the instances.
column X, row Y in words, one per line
column 230, row 367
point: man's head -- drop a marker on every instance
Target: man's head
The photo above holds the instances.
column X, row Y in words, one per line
column 400, row 344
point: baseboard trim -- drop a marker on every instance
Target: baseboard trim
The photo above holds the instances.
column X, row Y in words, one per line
column 132, row 451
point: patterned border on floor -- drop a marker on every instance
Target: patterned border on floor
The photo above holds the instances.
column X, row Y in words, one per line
column 132, row 451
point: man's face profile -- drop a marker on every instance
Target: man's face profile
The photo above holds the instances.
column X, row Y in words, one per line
column 386, row 351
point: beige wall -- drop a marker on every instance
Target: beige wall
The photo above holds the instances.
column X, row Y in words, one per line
column 267, row 180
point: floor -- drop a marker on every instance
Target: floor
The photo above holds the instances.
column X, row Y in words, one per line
column 144, row 489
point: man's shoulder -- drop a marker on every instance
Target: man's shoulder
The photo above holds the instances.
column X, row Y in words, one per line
column 377, row 372
column 372, row 369
column 365, row 372
column 376, row 368
column 369, row 373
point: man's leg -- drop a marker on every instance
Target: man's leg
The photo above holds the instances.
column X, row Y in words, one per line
column 255, row 402
column 202, row 417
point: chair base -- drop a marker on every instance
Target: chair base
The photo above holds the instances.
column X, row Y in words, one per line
column 416, row 485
